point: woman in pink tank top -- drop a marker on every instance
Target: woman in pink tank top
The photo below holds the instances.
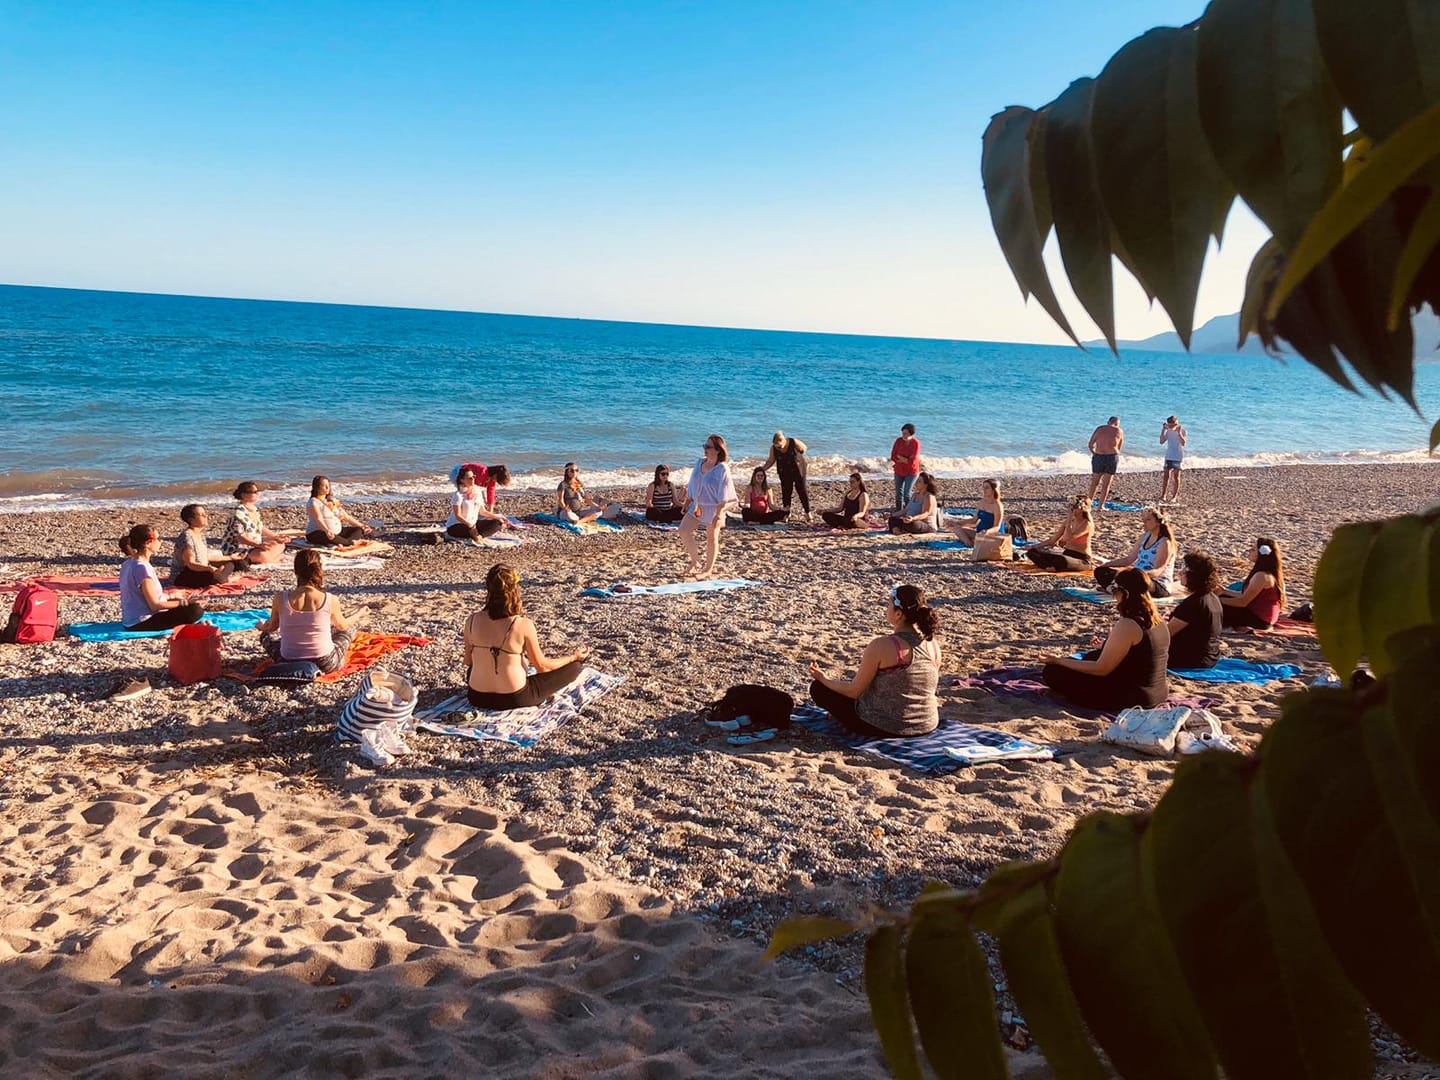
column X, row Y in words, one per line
column 306, row 623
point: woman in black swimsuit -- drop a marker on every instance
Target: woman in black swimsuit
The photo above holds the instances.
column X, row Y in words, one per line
column 788, row 458
column 499, row 640
column 853, row 507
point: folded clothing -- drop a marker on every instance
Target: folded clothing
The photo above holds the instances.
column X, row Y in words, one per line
column 519, row 727
column 943, row 750
column 674, row 588
column 1230, row 669
column 229, row 622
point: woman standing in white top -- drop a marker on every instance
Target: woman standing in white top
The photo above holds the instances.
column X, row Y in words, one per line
column 470, row 516
column 709, row 492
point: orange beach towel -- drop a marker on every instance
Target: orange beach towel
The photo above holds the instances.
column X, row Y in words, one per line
column 365, row 651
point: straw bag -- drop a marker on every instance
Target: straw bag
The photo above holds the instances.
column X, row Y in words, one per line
column 993, row 547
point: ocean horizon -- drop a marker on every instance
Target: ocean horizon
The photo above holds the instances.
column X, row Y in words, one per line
column 111, row 397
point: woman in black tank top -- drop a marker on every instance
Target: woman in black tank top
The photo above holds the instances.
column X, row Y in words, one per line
column 1130, row 668
column 854, row 507
column 787, row 457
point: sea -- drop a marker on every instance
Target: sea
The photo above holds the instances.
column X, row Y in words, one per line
column 111, row 398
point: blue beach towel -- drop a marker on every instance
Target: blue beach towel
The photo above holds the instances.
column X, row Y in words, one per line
column 946, row 545
column 1098, row 596
column 1129, row 508
column 944, row 750
column 675, row 588
column 579, row 530
column 229, row 622
column 1230, row 669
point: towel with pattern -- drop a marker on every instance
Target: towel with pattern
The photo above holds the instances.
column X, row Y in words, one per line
column 674, row 588
column 583, row 528
column 110, row 586
column 943, row 750
column 519, row 727
column 1231, row 669
column 229, row 622
column 366, row 649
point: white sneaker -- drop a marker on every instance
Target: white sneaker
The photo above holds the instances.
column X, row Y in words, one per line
column 372, row 749
column 390, row 739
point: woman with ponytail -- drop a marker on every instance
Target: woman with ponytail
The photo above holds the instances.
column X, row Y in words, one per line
column 144, row 605
column 1129, row 669
column 893, row 692
column 1262, row 597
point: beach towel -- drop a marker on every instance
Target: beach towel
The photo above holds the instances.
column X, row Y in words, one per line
column 499, row 540
column 946, row 545
column 1230, row 669
column 674, row 588
column 519, row 727
column 943, row 750
column 359, row 549
column 1027, row 567
column 366, row 649
column 229, row 622
column 1025, row 682
column 364, row 562
column 1128, row 508
column 1099, row 596
column 1284, row 628
column 110, row 586
column 583, row 528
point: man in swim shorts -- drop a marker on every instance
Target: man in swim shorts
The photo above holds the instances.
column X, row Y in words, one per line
column 1173, row 438
column 1105, row 444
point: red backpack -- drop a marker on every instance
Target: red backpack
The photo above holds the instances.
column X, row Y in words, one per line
column 33, row 617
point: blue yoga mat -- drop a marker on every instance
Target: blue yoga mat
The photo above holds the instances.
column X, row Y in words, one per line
column 944, row 750
column 229, row 622
column 1230, row 669
column 946, row 545
column 676, row 588
column 570, row 526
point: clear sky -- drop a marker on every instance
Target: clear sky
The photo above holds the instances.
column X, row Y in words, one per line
column 769, row 164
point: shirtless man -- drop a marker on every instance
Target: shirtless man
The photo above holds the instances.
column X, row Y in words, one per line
column 1105, row 444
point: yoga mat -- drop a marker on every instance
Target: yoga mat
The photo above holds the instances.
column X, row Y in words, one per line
column 1095, row 596
column 943, row 750
column 1230, row 669
column 1027, row 567
column 229, row 622
column 588, row 528
column 519, row 727
column 677, row 588
column 356, row 550
column 110, row 586
column 1025, row 682
column 366, row 649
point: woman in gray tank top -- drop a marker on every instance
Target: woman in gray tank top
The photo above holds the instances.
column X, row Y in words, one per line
column 893, row 693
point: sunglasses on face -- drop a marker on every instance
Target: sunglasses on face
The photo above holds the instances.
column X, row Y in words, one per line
column 711, row 446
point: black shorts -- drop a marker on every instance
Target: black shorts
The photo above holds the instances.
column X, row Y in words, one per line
column 1172, row 464
column 1106, row 464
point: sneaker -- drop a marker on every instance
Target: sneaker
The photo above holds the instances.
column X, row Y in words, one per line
column 372, row 750
column 747, row 737
column 136, row 688
column 389, row 737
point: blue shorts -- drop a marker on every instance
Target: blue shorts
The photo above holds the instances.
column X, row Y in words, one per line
column 1172, row 465
column 1104, row 463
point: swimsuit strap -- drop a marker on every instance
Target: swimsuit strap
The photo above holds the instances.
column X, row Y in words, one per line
column 497, row 650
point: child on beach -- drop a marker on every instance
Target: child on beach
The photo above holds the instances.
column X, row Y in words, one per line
column 326, row 522
column 756, row 510
column 143, row 603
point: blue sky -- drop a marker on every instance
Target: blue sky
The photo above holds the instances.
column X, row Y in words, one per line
column 790, row 165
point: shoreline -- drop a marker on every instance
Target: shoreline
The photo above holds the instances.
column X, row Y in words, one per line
column 207, row 855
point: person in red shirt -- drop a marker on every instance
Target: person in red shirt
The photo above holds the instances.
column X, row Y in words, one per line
column 905, row 456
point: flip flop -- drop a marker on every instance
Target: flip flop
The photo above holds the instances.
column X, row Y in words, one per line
column 746, row 738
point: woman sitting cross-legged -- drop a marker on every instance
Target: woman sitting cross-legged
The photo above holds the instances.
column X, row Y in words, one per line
column 1129, row 669
column 1069, row 548
column 246, row 532
column 1153, row 555
column 500, row 640
column 574, row 504
column 1262, row 597
column 893, row 692
column 922, row 512
column 1195, row 623
column 854, row 508
column 661, row 503
column 327, row 523
column 143, row 603
column 989, row 517
column 306, row 622
column 757, row 509
column 194, row 566
column 470, row 515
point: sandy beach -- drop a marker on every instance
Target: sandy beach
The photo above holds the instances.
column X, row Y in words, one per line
column 201, row 882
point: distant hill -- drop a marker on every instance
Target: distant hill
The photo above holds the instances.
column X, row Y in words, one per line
column 1219, row 334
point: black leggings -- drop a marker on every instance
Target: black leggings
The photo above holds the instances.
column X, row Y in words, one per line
column 321, row 538
column 1103, row 692
column 1047, row 559
column 171, row 617
column 482, row 528
column 836, row 520
column 538, row 688
column 668, row 515
column 1232, row 617
column 762, row 517
column 842, row 709
column 186, row 578
column 1105, row 577
column 899, row 525
column 794, row 482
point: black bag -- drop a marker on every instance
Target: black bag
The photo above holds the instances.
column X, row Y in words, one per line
column 1015, row 526
column 764, row 705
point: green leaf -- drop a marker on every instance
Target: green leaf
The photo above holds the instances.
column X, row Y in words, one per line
column 1199, row 855
column 1302, row 324
column 806, row 930
column 1005, row 169
column 1119, row 960
column 1080, row 222
column 1264, row 269
column 1384, row 56
column 1030, row 952
column 1394, row 586
column 1001, row 886
column 1270, row 113
column 1039, row 184
column 1337, row 595
column 951, row 997
column 1435, row 436
column 1412, row 711
column 1159, row 183
column 1423, row 238
column 889, row 1006
column 1330, row 818
column 1392, row 163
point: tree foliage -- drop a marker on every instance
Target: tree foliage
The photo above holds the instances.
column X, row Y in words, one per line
column 1245, row 924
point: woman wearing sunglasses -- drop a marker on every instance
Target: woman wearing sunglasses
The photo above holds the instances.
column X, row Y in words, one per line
column 710, row 491
column 660, row 501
